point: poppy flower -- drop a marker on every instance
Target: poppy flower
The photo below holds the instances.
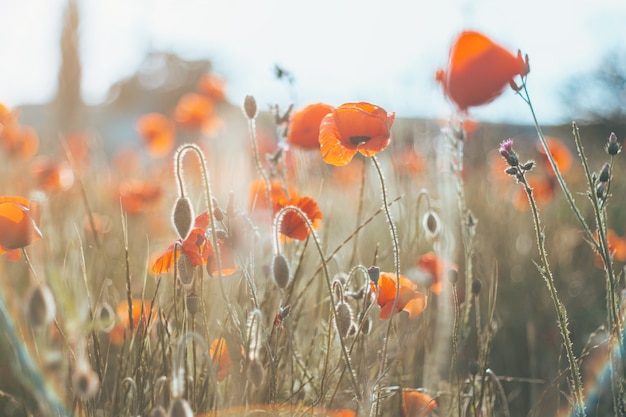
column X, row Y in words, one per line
column 194, row 111
column 17, row 222
column 137, row 196
column 116, row 335
column 212, row 86
column 478, row 70
column 292, row 225
column 416, row 404
column 560, row 153
column 51, row 175
column 158, row 134
column 304, row 126
column 227, row 258
column 258, row 195
column 195, row 247
column 20, row 142
column 409, row 299
column 435, row 267
column 221, row 358
column 354, row 127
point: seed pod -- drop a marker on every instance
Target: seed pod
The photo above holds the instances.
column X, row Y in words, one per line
column 85, row 383
column 249, row 107
column 280, row 271
column 185, row 270
column 255, row 372
column 343, row 318
column 40, row 306
column 180, row 408
column 182, row 217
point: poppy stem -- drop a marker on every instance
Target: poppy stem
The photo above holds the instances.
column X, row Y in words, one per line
column 396, row 262
column 259, row 166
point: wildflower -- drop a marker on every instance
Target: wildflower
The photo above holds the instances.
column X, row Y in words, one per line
column 221, row 358
column 478, row 70
column 258, row 195
column 304, row 126
column 136, row 196
column 141, row 315
column 19, row 142
column 212, row 86
column 409, row 163
column 560, row 153
column 227, row 258
column 194, row 111
column 158, row 134
column 416, row 404
column 51, row 175
column 292, row 225
column 435, row 267
column 17, row 223
column 353, row 127
column 409, row 299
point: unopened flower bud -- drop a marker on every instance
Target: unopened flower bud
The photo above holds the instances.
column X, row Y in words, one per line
column 477, row 285
column 374, row 273
column 601, row 191
column 249, row 107
column 180, row 408
column 255, row 372
column 217, row 211
column 280, row 270
column 431, row 224
column 527, row 166
column 514, row 171
column 474, row 367
column 40, row 306
column 193, row 303
column 604, row 174
column 182, row 217
column 613, row 147
column 343, row 318
column 367, row 324
column 453, row 276
column 85, row 383
column 106, row 317
column 185, row 270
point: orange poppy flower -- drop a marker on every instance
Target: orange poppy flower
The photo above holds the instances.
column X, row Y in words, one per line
column 221, row 358
column 21, row 142
column 196, row 247
column 436, row 268
column 51, row 175
column 158, row 134
column 194, row 111
column 116, row 335
column 416, row 404
column 227, row 258
column 560, row 153
column 292, row 225
column 409, row 299
column 212, row 86
column 478, row 70
column 137, row 196
column 304, row 126
column 258, row 195
column 17, row 223
column 354, row 127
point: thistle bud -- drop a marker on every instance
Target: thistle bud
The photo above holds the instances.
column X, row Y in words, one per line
column 40, row 306
column 601, row 191
column 182, row 217
column 255, row 372
column 613, row 147
column 280, row 271
column 180, row 408
column 604, row 174
column 343, row 318
column 85, row 383
column 513, row 171
column 249, row 107
column 527, row 166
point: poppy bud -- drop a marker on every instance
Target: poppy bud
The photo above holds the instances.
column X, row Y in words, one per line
column 612, row 147
column 85, row 383
column 217, row 211
column 185, row 270
column 158, row 411
column 182, row 217
column 106, row 316
column 343, row 318
column 374, row 273
column 193, row 303
column 453, row 276
column 255, row 372
column 180, row 408
column 474, row 367
column 40, row 306
column 604, row 174
column 280, row 270
column 249, row 107
column 477, row 285
column 431, row 224
column 367, row 324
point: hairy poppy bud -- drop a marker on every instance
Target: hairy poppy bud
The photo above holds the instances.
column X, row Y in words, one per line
column 40, row 306
column 193, row 303
column 604, row 174
column 106, row 317
column 182, row 217
column 85, row 383
column 280, row 271
column 601, row 191
column 343, row 318
column 185, row 270
column 477, row 285
column 249, row 107
column 255, row 372
column 374, row 273
column 453, row 276
column 217, row 211
column 367, row 324
column 431, row 224
column 612, row 147
column 180, row 408
column 474, row 367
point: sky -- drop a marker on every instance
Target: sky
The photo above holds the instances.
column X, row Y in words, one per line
column 384, row 52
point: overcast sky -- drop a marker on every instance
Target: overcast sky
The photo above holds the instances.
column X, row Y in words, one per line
column 385, row 52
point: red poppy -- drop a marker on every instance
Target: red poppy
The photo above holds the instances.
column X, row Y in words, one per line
column 353, row 127
column 258, row 195
column 194, row 111
column 116, row 335
column 409, row 299
column 158, row 133
column 304, row 126
column 137, row 196
column 17, row 223
column 51, row 175
column 196, row 247
column 478, row 70
column 560, row 153
column 434, row 266
column 292, row 225
column 416, row 404
column 221, row 358
column 212, row 86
